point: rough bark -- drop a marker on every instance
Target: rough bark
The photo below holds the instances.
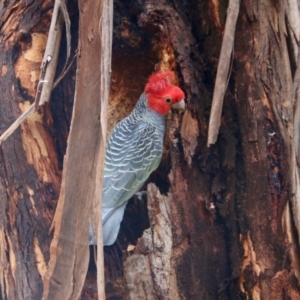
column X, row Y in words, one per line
column 221, row 224
column 30, row 177
column 29, row 170
column 31, row 159
column 84, row 159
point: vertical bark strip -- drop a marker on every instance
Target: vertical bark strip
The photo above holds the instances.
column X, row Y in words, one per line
column 69, row 248
column 223, row 72
column 105, row 31
column 263, row 88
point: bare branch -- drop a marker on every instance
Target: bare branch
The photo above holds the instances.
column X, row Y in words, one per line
column 67, row 21
column 64, row 10
column 223, row 71
column 51, row 55
column 63, row 74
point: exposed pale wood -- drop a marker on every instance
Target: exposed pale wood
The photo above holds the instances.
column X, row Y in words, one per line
column 138, row 278
column 223, row 72
column 190, row 132
column 293, row 21
column 294, row 152
column 157, row 242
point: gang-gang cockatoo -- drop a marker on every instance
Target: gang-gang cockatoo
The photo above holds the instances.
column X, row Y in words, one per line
column 135, row 148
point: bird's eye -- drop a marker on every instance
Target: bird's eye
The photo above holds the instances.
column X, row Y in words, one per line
column 168, row 100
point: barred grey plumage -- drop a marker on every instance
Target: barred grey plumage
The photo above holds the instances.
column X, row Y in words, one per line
column 135, row 148
column 133, row 152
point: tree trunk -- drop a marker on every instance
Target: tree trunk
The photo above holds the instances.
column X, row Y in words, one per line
column 222, row 222
column 30, row 174
column 221, row 225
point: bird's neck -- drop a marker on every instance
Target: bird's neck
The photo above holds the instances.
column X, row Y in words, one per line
column 142, row 112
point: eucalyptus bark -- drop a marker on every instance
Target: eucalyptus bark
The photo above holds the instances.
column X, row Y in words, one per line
column 222, row 220
column 29, row 170
column 84, row 159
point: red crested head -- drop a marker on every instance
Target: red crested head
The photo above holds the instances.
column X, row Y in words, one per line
column 162, row 93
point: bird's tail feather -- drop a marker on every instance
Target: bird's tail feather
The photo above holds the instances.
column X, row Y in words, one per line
column 111, row 220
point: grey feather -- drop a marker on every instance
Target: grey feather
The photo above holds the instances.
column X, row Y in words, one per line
column 133, row 152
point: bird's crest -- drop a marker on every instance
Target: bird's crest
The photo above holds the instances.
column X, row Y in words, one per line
column 162, row 92
column 159, row 81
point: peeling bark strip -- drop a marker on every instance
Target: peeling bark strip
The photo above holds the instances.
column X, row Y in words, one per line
column 293, row 128
column 106, row 31
column 223, row 72
column 48, row 67
column 69, row 248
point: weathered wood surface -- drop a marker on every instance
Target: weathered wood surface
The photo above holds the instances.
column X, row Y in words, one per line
column 230, row 231
column 219, row 226
column 30, row 176
column 83, row 162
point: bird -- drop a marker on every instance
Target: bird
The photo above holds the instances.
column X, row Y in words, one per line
column 135, row 148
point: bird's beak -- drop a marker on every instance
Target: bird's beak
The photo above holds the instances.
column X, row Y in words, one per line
column 179, row 105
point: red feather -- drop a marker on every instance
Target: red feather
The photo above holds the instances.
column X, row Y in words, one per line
column 161, row 86
column 158, row 82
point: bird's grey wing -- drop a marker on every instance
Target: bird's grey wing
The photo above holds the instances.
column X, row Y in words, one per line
column 131, row 156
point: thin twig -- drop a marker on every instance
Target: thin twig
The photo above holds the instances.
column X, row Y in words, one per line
column 64, row 10
column 223, row 71
column 62, row 75
column 295, row 99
